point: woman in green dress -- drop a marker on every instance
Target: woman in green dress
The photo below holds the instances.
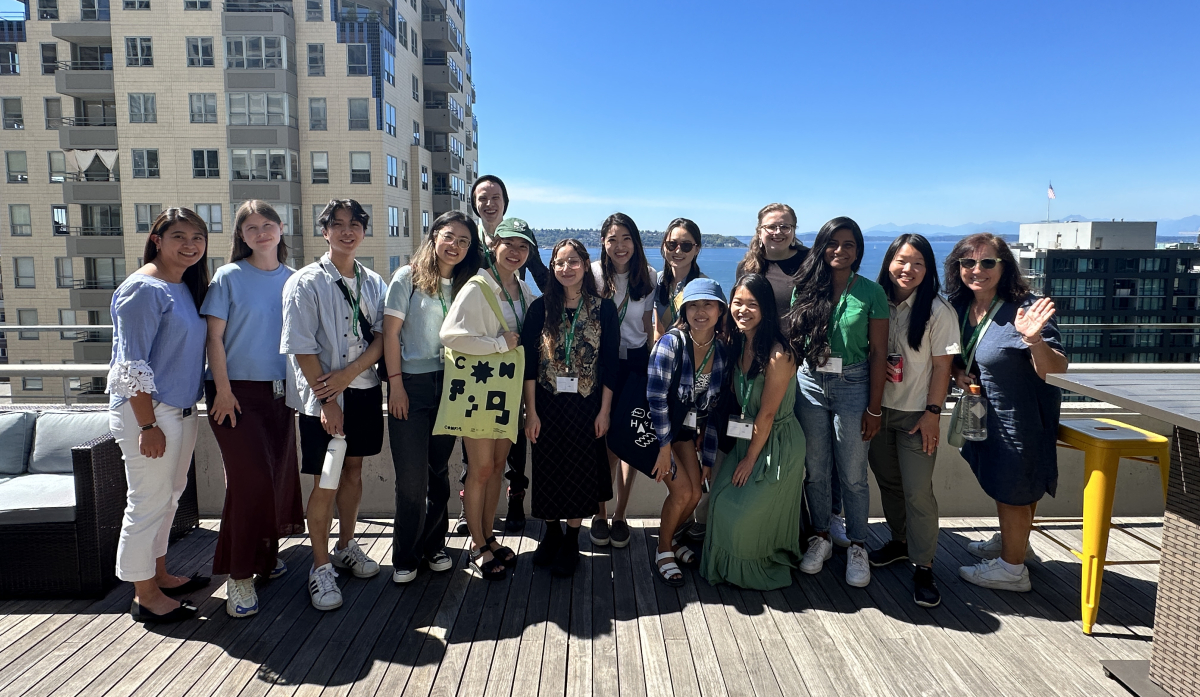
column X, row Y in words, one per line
column 752, row 539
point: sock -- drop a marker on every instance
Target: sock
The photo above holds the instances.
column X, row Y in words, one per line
column 1014, row 569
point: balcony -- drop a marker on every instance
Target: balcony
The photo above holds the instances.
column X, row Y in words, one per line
column 442, row 35
column 91, row 188
column 84, row 79
column 441, row 118
column 88, row 133
column 95, row 242
column 447, row 162
column 93, row 350
column 87, row 33
column 92, row 294
column 444, row 201
column 258, row 6
column 441, row 75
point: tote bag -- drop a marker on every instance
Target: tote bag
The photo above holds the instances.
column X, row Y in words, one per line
column 954, row 436
column 481, row 395
column 631, row 434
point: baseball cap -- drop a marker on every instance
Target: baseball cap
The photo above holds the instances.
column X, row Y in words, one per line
column 515, row 227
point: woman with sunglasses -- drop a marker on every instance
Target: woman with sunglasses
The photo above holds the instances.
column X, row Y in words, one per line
column 571, row 335
column 839, row 326
column 623, row 275
column 1011, row 342
column 418, row 300
column 775, row 252
column 680, row 248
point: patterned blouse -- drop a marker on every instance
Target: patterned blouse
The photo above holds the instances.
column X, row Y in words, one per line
column 594, row 350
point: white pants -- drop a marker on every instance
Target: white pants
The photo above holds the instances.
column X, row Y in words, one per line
column 155, row 486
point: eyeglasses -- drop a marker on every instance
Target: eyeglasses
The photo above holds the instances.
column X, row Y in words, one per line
column 967, row 263
column 780, row 229
column 460, row 242
column 685, row 247
column 571, row 263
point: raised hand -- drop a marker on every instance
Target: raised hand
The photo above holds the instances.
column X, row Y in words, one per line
column 1031, row 322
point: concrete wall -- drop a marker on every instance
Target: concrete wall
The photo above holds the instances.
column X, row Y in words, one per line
column 1139, row 491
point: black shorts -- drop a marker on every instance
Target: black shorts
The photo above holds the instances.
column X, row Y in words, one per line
column 362, row 412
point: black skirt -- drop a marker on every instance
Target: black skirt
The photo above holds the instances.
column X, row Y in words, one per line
column 570, row 465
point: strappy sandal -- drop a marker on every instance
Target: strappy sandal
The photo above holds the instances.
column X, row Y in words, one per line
column 669, row 572
column 490, row 570
column 685, row 555
column 502, row 552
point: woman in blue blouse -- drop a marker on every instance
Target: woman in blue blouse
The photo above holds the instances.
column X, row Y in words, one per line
column 155, row 379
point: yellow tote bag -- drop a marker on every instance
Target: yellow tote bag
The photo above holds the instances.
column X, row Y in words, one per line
column 481, row 395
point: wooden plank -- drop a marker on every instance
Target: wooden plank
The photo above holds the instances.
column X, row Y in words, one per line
column 762, row 677
column 631, row 677
column 679, row 653
column 752, row 605
column 605, row 671
column 500, row 665
column 527, row 678
column 701, row 642
column 650, row 632
column 581, row 629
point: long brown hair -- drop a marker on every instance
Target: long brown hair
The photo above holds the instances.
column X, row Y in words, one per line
column 1012, row 286
column 195, row 277
column 755, row 260
column 639, row 273
column 238, row 249
column 425, row 274
column 667, row 280
column 555, row 295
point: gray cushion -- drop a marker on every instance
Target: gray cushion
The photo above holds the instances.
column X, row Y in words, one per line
column 56, row 432
column 37, row 498
column 16, row 438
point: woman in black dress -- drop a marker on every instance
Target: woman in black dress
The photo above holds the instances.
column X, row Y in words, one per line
column 571, row 337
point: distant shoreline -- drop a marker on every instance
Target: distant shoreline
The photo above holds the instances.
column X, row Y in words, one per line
column 651, row 238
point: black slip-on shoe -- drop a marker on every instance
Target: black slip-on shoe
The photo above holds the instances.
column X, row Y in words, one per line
column 890, row 553
column 185, row 611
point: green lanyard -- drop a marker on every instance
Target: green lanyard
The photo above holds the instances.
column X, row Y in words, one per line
column 442, row 299
column 356, row 301
column 974, row 335
column 624, row 307
column 745, row 386
column 700, row 370
column 509, row 297
column 841, row 306
column 567, row 342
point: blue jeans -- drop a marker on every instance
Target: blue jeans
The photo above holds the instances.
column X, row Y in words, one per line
column 830, row 408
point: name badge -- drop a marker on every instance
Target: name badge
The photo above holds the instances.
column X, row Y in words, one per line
column 188, row 412
column 689, row 421
column 740, row 428
column 566, row 385
column 277, row 388
column 832, row 365
column 623, row 353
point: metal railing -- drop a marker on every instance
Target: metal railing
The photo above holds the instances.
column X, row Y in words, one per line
column 86, row 65
column 88, row 120
column 258, row 6
column 91, row 231
column 110, row 176
column 94, row 284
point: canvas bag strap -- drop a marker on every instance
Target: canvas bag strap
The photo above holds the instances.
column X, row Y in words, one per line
column 492, row 301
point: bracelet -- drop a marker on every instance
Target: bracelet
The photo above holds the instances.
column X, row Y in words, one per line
column 395, row 375
column 878, row 416
column 1030, row 343
column 151, row 425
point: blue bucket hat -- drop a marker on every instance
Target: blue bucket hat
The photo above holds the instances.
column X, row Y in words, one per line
column 703, row 289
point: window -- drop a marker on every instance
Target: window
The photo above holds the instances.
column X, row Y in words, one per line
column 205, row 165
column 261, row 109
column 389, row 67
column 139, row 51
column 145, row 163
column 142, row 108
column 416, row 133
column 64, row 276
column 393, row 222
column 30, row 384
column 424, row 222
column 136, row 5
column 200, row 52
column 47, row 9
column 23, row 272
column 424, row 178
column 320, row 168
column 360, row 168
column 356, row 59
column 49, row 59
column 211, row 214
column 402, row 30
column 215, row 263
column 316, row 60
column 389, row 119
column 360, row 118
column 59, row 221
column 28, row 318
column 369, row 229
column 368, row 262
column 392, row 178
column 255, row 52
column 416, row 89
column 203, row 107
column 313, row 11
column 17, row 167
column 104, row 272
column 53, row 108
column 316, row 114
column 12, row 116
column 67, row 317
column 414, row 42
column 58, row 166
column 10, row 63
column 197, row 4
column 19, row 219
column 393, row 264
column 273, row 165
column 317, row 209
column 146, row 213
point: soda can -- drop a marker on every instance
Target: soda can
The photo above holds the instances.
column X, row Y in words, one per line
column 895, row 367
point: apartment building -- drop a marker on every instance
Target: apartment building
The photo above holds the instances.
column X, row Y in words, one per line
column 115, row 109
column 1113, row 273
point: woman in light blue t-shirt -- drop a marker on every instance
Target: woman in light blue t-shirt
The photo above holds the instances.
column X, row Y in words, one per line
column 253, row 425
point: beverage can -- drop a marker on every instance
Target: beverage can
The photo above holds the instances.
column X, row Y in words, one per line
column 895, row 367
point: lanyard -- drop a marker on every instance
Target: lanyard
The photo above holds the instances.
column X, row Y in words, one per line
column 356, row 301
column 508, row 297
column 442, row 300
column 746, row 386
column 841, row 306
column 700, row 370
column 624, row 307
column 974, row 335
column 570, row 339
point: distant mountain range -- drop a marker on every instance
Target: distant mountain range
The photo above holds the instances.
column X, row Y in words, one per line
column 1181, row 226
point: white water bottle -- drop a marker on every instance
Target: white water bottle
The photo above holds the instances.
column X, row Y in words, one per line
column 975, row 419
column 335, row 454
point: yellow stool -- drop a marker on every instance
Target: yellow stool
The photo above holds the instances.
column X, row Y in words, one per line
column 1104, row 442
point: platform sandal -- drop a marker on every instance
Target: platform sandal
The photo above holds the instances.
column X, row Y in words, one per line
column 685, row 555
column 669, row 572
column 505, row 553
column 488, row 570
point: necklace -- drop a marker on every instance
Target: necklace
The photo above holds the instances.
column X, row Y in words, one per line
column 702, row 345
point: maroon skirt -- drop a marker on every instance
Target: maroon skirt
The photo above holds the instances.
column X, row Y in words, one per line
column 262, row 480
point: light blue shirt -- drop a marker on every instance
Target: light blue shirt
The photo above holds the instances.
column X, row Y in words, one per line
column 158, row 343
column 250, row 301
column 420, row 347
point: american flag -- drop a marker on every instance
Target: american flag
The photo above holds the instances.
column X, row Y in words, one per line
column 1050, row 192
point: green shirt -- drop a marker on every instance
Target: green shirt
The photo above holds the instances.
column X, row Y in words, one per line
column 850, row 334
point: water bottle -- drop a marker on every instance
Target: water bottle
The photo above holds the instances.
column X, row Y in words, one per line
column 975, row 414
column 331, row 471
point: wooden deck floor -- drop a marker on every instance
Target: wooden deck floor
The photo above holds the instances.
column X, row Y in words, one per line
column 610, row 630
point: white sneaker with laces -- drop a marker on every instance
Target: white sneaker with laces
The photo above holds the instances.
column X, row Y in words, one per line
column 323, row 588
column 819, row 551
column 354, row 559
column 858, row 568
column 992, row 547
column 404, row 575
column 990, row 574
column 440, row 561
column 837, row 531
column 241, row 600
column 279, row 570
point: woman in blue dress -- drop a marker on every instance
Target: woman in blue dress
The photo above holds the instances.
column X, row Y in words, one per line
column 1016, row 344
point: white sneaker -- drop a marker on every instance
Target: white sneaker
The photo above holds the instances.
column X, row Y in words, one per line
column 279, row 570
column 990, row 574
column 323, row 588
column 354, row 559
column 240, row 598
column 819, row 551
column 440, row 561
column 858, row 568
column 991, row 548
column 404, row 575
column 837, row 531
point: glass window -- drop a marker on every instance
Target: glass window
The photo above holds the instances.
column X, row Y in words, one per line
column 416, row 133
column 360, row 119
column 136, row 5
column 28, row 318
column 197, row 4
column 17, row 166
column 389, row 123
column 13, row 119
column 10, row 63
column 317, row 210
column 416, row 89
column 369, row 229
column 424, row 222
column 356, row 59
column 138, row 51
column 146, row 213
column 316, row 60
column 215, row 263
column 47, row 9
column 320, row 168
column 64, row 275
column 360, row 168
column 392, row 178
column 67, row 317
column 424, row 178
column 211, row 214
column 205, row 164
column 94, row 10
column 401, row 30
column 313, row 11
column 393, row 223
column 19, row 219
column 31, row 384
column 404, row 221
column 368, row 262
column 49, row 59
column 260, row 109
column 413, row 46
column 404, row 174
column 317, row 120
column 389, row 67
column 276, row 165
column 200, row 52
column 255, row 52
column 58, row 166
column 59, row 221
column 203, row 107
column 53, row 109
column 23, row 272
column 393, row 264
column 145, row 163
column 142, row 108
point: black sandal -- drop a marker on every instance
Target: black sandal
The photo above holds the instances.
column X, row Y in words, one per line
column 488, row 569
column 502, row 552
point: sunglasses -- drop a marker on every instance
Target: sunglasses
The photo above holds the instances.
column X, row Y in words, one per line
column 685, row 247
column 983, row 263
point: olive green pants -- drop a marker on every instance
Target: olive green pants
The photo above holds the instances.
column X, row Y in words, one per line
column 904, row 473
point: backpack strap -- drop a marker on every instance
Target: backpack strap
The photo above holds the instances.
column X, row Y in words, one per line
column 490, row 295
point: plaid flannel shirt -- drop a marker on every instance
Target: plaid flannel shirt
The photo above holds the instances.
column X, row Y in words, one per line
column 662, row 363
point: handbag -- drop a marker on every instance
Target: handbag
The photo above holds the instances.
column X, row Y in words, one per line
column 631, row 435
column 954, row 435
column 364, row 328
column 481, row 395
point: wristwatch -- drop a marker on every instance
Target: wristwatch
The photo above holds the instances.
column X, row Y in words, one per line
column 152, row 424
column 933, row 409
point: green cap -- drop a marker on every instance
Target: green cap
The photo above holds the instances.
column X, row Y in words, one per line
column 515, row 227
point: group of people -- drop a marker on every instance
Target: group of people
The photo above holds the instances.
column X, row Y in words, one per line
column 768, row 406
